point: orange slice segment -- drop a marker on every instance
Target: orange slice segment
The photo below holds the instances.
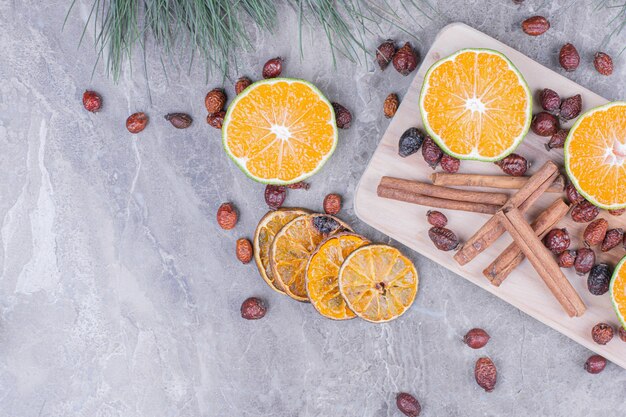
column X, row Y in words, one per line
column 322, row 273
column 618, row 291
column 476, row 105
column 280, row 131
column 378, row 282
column 595, row 155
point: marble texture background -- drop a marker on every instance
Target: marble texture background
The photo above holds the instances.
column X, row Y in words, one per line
column 120, row 295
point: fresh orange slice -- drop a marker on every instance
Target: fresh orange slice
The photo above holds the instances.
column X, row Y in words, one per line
column 595, row 155
column 618, row 291
column 280, row 131
column 292, row 247
column 264, row 234
column 476, row 105
column 378, row 282
column 322, row 273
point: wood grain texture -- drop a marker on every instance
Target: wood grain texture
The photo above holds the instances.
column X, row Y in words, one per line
column 407, row 222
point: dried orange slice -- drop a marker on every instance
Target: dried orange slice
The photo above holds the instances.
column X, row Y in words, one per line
column 618, row 291
column 322, row 273
column 292, row 247
column 280, row 131
column 264, row 234
column 595, row 155
column 378, row 282
column 476, row 105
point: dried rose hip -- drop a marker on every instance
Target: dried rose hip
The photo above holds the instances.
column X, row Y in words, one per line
column 571, row 107
column 405, row 60
column 408, row 405
column 476, row 338
column 431, row 152
column 514, row 164
column 216, row 120
column 558, row 139
column 595, row 364
column 569, row 57
column 275, row 195
column 572, row 194
column 244, row 250
column 612, row 239
column 544, row 124
column 450, row 164
column 241, row 84
column 332, row 204
column 535, row 26
column 410, row 142
column 136, row 122
column 616, row 212
column 602, row 333
column 325, row 224
column 385, row 53
column 253, row 309
column 585, row 259
column 550, row 100
column 92, row 101
column 566, row 259
column 299, row 186
column 557, row 240
column 595, row 231
column 486, row 374
column 599, row 279
column 436, row 218
column 444, row 239
column 179, row 120
column 343, row 117
column 273, row 68
column 584, row 212
column 390, row 106
column 227, row 216
column 622, row 334
column 215, row 100
column 603, row 63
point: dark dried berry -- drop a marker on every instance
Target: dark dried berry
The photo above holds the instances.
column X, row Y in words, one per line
column 584, row 212
column 241, row 84
column 550, row 100
column 299, row 186
column 385, row 53
column 595, row 231
column 275, row 195
column 450, row 164
column 585, row 259
column 566, row 259
column 408, row 405
column 390, row 106
column 572, row 194
column 486, row 374
column 273, row 68
column 253, row 309
column 136, row 122
column 602, row 333
column 410, row 142
column 514, row 164
column 179, row 120
column 544, row 124
column 92, row 101
column 595, row 364
column 569, row 57
column 332, row 204
column 343, row 117
column 557, row 240
column 599, row 279
column 436, row 218
column 216, row 120
column 431, row 152
column 571, row 107
column 558, row 139
column 227, row 216
column 612, row 239
column 617, row 212
column 622, row 334
column 243, row 250
column 325, row 224
column 476, row 338
column 535, row 26
column 405, row 60
column 444, row 239
column 215, row 100
column 603, row 63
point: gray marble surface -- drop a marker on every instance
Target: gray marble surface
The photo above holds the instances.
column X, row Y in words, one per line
column 120, row 295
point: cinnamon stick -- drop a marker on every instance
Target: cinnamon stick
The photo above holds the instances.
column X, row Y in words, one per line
column 524, row 199
column 542, row 260
column 491, row 181
column 418, row 187
column 512, row 256
column 423, row 200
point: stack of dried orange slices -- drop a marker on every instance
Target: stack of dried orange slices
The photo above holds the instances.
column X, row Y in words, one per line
column 317, row 258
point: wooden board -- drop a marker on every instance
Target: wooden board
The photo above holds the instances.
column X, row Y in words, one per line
column 407, row 222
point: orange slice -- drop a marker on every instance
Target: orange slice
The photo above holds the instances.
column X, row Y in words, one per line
column 595, row 155
column 618, row 291
column 264, row 234
column 280, row 131
column 322, row 273
column 378, row 282
column 292, row 247
column 476, row 105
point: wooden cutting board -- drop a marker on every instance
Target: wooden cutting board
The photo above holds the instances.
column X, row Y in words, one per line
column 407, row 222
